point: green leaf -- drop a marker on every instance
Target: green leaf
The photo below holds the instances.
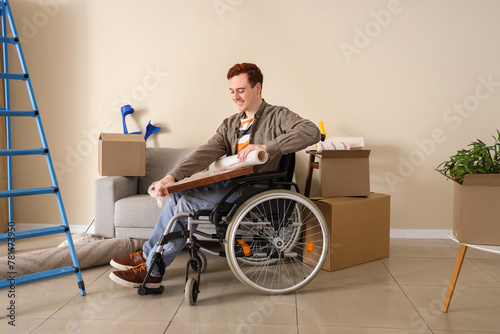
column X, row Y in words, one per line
column 479, row 158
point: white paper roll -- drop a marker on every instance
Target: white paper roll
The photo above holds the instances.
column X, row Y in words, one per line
column 256, row 157
column 354, row 142
column 335, row 146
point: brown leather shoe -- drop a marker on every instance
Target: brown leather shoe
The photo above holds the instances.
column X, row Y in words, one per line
column 126, row 263
column 134, row 277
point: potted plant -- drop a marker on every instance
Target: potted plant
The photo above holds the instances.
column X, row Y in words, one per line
column 479, row 159
column 476, row 195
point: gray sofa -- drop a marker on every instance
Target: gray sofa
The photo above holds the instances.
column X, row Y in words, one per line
column 123, row 207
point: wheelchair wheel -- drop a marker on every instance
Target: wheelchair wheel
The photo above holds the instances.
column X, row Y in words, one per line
column 285, row 234
column 191, row 291
column 203, row 260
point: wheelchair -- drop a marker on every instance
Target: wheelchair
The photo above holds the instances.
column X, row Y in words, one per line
column 275, row 240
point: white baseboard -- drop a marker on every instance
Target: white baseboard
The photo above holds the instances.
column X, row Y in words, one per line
column 419, row 234
column 395, row 233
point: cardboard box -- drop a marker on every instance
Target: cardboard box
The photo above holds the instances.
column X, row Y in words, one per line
column 359, row 229
column 122, row 154
column 344, row 173
column 476, row 209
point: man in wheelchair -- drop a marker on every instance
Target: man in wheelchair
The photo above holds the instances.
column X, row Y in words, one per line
column 257, row 125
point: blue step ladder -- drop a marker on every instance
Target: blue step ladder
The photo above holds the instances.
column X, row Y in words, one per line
column 11, row 236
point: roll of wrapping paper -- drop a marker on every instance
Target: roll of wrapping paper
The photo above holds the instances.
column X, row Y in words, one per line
column 353, row 142
column 225, row 165
column 340, row 146
column 256, row 157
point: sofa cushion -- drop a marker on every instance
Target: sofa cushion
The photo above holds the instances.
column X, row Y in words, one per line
column 136, row 211
column 159, row 161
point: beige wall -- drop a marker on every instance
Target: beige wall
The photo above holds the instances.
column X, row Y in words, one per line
column 411, row 77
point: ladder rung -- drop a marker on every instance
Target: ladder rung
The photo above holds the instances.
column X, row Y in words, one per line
column 38, row 276
column 34, row 233
column 11, row 40
column 33, row 151
column 28, row 192
column 29, row 113
column 14, row 76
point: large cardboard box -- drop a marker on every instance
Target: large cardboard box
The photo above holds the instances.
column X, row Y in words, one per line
column 476, row 209
column 122, row 154
column 359, row 229
column 344, row 173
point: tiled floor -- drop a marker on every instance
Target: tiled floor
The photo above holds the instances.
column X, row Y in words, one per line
column 402, row 294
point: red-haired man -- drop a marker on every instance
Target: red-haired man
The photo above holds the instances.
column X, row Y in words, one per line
column 257, row 125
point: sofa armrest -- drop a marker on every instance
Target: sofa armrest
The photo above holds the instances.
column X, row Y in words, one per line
column 108, row 190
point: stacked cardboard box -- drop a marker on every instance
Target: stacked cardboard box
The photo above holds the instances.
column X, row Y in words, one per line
column 358, row 227
column 122, row 154
column 344, row 173
column 358, row 220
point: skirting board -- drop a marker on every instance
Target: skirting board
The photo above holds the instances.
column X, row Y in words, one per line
column 419, row 234
column 395, row 233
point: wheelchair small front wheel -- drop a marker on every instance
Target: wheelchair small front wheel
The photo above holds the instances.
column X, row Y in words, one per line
column 285, row 234
column 191, row 291
column 141, row 291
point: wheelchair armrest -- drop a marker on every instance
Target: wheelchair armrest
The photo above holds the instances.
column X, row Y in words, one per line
column 283, row 174
column 262, row 176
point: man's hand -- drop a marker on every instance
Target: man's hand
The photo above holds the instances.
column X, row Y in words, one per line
column 159, row 185
column 242, row 155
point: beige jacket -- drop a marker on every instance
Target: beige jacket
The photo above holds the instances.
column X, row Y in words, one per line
column 281, row 130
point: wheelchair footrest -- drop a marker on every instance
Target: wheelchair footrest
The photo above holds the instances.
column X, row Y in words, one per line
column 142, row 291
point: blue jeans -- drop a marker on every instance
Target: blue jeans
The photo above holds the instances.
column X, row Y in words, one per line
column 201, row 198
